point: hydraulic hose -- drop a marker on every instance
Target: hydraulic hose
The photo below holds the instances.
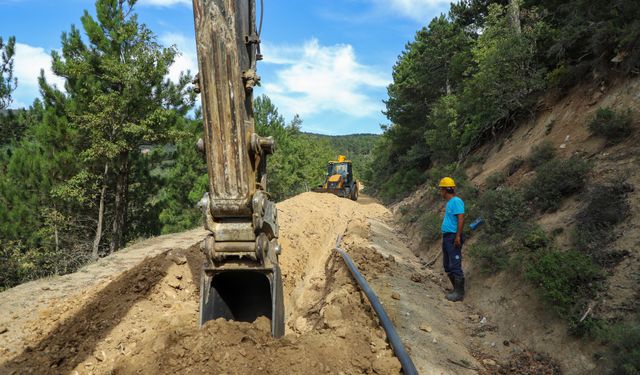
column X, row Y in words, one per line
column 408, row 368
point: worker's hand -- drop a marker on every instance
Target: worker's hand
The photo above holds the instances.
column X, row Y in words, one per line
column 458, row 241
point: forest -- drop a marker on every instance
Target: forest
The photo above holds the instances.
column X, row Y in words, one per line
column 473, row 73
column 111, row 158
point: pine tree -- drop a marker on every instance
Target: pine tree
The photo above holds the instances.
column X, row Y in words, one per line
column 119, row 100
column 8, row 82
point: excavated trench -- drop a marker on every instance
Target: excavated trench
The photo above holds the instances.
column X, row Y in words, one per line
column 144, row 320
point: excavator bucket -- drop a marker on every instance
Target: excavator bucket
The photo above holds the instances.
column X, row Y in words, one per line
column 241, row 277
column 244, row 296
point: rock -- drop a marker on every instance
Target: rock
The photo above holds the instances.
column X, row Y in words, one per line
column 395, row 295
column 332, row 312
column 301, row 324
column 386, row 365
column 505, row 343
column 489, row 362
column 483, row 320
column 435, row 341
column 263, row 323
column 178, row 259
column 101, row 357
column 175, row 284
column 170, row 294
column 425, row 327
column 416, row 277
column 474, row 317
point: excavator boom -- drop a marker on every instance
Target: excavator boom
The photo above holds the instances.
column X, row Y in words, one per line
column 241, row 277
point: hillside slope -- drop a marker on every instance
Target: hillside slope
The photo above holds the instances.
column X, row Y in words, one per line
column 508, row 300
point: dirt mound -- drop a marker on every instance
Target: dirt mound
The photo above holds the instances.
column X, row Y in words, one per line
column 145, row 320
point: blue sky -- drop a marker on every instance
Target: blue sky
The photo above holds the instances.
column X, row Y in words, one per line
column 327, row 60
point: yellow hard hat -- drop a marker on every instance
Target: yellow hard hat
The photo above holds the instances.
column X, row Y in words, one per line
column 447, row 182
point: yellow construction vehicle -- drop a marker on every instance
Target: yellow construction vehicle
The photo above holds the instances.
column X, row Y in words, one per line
column 241, row 276
column 339, row 179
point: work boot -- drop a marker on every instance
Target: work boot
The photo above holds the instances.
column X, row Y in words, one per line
column 453, row 284
column 458, row 290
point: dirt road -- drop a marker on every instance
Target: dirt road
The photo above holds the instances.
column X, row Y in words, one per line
column 136, row 311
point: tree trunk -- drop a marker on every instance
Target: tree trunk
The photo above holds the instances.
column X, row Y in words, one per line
column 514, row 15
column 103, row 192
column 120, row 211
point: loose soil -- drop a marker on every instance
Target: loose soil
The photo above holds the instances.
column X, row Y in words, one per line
column 136, row 312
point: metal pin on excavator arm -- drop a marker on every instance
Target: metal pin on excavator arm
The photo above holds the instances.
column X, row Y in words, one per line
column 241, row 277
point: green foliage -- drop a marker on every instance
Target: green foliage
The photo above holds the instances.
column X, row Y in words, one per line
column 532, row 238
column 184, row 182
column 8, row 82
column 494, row 180
column 566, row 279
column 613, row 126
column 505, row 74
column 592, row 33
column 443, row 139
column 18, row 265
column 356, row 147
column 503, row 210
column 604, row 207
column 556, row 180
column 624, row 340
column 429, row 225
column 541, row 154
column 472, row 75
column 300, row 161
column 491, row 256
column 514, row 165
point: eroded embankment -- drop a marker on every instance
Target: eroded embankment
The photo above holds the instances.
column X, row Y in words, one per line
column 144, row 320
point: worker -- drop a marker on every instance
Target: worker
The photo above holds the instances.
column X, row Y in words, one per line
column 452, row 238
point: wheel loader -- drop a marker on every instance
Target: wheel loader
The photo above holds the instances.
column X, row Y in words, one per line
column 339, row 179
column 241, row 277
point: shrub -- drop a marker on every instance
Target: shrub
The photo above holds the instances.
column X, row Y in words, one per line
column 502, row 210
column 624, row 342
column 400, row 184
column 541, row 154
column 613, row 126
column 491, row 256
column 19, row 264
column 566, row 280
column 555, row 180
column 605, row 207
column 495, row 180
column 514, row 165
column 429, row 223
column 532, row 237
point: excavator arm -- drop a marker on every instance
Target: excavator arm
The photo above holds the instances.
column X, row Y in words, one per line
column 241, row 276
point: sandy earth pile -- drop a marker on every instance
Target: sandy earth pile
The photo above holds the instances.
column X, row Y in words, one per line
column 145, row 319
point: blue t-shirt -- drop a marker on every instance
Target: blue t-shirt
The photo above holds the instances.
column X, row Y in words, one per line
column 455, row 206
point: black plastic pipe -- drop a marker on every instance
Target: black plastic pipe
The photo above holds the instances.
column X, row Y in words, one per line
column 408, row 368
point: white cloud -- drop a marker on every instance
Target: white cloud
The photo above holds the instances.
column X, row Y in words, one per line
column 187, row 59
column 165, row 3
column 414, row 9
column 28, row 62
column 313, row 78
